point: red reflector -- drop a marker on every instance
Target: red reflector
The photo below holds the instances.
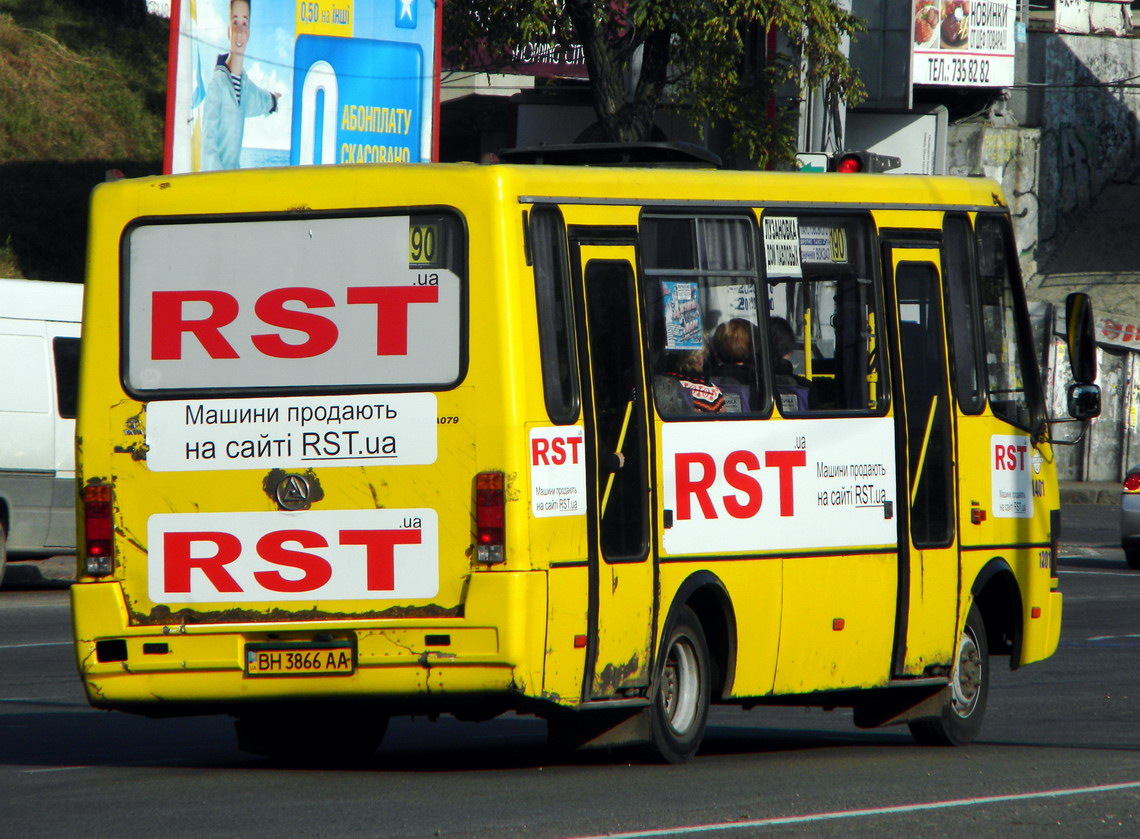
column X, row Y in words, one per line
column 579, row 642
column 849, row 165
column 1132, row 482
column 837, row 624
column 1035, row 612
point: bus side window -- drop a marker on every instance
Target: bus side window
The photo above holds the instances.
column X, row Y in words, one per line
column 822, row 317
column 962, row 304
column 701, row 310
column 1010, row 369
column 555, row 315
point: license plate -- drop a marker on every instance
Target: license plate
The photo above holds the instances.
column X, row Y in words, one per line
column 328, row 658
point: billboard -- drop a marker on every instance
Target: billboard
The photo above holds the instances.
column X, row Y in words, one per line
column 963, row 43
column 296, row 82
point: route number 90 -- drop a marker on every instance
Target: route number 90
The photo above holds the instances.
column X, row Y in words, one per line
column 423, row 239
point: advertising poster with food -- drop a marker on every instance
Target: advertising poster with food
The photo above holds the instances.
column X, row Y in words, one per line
column 285, row 82
column 963, row 43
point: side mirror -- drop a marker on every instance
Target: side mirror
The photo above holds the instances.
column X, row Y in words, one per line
column 1081, row 339
column 1084, row 401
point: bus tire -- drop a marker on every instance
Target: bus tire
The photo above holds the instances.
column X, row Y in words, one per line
column 1131, row 556
column 965, row 706
column 311, row 735
column 680, row 697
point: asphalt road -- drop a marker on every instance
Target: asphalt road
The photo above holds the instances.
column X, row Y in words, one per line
column 1059, row 755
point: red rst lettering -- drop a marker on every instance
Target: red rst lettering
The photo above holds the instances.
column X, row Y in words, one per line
column 392, row 312
column 322, row 332
column 538, row 449
column 178, row 563
column 573, row 443
column 739, row 479
column 167, row 323
column 999, row 457
column 317, row 570
column 785, row 462
column 380, row 553
column 687, row 486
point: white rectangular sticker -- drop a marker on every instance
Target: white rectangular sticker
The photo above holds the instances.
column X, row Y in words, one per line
column 1010, row 482
column 782, row 246
column 823, row 244
column 558, row 471
column 793, row 485
column 389, row 429
column 303, row 556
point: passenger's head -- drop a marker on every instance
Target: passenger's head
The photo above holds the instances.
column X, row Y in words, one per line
column 691, row 362
column 732, row 341
column 782, row 337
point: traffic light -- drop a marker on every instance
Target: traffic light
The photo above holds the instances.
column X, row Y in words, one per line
column 861, row 161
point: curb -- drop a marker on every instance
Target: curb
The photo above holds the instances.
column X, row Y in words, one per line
column 1090, row 492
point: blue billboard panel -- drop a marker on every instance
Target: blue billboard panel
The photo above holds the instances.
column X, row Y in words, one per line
column 292, row 82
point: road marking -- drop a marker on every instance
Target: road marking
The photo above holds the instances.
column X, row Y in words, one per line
column 874, row 811
column 130, row 765
column 1133, row 575
column 1111, row 637
column 41, row 644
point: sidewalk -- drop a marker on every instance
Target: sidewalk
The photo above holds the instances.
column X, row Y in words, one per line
column 1090, row 492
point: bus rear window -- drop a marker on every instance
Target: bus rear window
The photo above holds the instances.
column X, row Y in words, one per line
column 287, row 304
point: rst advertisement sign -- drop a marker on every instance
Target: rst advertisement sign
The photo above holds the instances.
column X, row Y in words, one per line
column 287, row 304
column 1013, row 462
column 767, row 486
column 289, row 82
column 558, row 471
column 396, row 429
column 311, row 556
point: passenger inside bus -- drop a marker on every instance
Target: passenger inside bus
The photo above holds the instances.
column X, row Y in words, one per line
column 685, row 388
column 796, row 393
column 735, row 371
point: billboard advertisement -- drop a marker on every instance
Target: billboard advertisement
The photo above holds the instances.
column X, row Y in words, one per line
column 294, row 82
column 963, row 43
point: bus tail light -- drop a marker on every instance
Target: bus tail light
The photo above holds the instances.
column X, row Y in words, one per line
column 98, row 530
column 490, row 504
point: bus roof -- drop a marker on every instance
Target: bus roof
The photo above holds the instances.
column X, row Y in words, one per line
column 453, row 184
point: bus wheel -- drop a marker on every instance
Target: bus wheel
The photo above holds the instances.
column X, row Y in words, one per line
column 962, row 713
column 680, row 706
column 1131, row 556
column 311, row 735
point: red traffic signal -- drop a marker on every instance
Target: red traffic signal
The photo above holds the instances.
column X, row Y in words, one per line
column 862, row 161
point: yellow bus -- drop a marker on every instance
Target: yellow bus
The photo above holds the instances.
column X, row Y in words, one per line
column 602, row 444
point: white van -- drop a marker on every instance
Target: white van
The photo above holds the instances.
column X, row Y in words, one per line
column 39, row 346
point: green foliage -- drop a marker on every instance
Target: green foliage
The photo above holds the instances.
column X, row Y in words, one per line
column 711, row 59
column 82, row 90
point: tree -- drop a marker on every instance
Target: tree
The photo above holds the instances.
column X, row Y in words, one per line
column 714, row 59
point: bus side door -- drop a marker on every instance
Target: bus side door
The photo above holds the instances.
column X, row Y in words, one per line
column 928, row 546
column 622, row 573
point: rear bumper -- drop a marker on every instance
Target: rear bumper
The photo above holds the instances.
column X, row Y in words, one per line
column 163, row 670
